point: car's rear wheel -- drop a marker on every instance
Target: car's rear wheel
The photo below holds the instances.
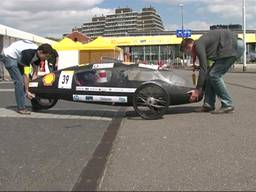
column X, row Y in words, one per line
column 151, row 101
column 41, row 103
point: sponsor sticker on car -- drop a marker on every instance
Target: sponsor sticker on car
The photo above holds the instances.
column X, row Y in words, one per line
column 103, row 66
column 99, row 98
column 76, row 98
column 106, row 89
column 49, row 79
column 65, row 80
column 155, row 67
column 33, row 84
column 88, row 98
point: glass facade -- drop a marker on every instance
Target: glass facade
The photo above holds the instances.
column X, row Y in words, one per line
column 151, row 54
column 170, row 54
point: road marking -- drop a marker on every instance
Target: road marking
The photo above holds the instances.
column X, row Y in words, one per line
column 6, row 90
column 242, row 86
column 6, row 82
column 51, row 115
column 94, row 171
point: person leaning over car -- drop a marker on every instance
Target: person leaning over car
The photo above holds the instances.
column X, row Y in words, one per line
column 17, row 59
column 223, row 48
column 53, row 60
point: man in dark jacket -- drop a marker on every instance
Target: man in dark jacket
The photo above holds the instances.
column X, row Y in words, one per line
column 222, row 48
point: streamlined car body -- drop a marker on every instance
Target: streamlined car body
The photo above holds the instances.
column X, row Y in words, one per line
column 149, row 90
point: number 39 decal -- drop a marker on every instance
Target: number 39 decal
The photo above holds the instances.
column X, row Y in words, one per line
column 65, row 80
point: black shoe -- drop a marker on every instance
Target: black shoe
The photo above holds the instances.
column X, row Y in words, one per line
column 223, row 110
column 203, row 109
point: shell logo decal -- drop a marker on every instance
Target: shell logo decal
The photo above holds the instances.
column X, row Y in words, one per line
column 49, row 79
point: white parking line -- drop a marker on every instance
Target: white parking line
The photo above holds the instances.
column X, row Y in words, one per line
column 6, row 90
column 36, row 115
column 6, row 82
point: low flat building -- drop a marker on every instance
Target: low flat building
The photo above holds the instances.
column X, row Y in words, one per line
column 153, row 47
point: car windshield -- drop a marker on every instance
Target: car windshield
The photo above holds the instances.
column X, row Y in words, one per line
column 147, row 75
column 93, row 77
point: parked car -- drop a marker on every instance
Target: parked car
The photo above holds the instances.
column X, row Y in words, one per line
column 149, row 90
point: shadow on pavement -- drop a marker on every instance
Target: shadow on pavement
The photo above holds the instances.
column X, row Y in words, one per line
column 171, row 111
column 76, row 112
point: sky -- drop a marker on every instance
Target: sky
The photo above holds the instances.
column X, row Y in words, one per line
column 51, row 18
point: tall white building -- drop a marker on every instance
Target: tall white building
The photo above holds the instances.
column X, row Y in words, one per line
column 125, row 21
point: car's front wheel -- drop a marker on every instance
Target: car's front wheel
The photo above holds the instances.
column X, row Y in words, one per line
column 151, row 101
column 41, row 103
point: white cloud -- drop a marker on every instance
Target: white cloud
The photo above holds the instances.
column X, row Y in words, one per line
column 227, row 12
column 49, row 18
column 198, row 25
column 48, row 5
column 53, row 18
column 224, row 8
column 194, row 25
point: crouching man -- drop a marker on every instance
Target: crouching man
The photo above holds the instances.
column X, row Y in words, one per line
column 17, row 59
column 223, row 48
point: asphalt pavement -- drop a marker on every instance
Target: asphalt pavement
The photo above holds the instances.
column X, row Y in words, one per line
column 187, row 150
column 52, row 150
column 70, row 147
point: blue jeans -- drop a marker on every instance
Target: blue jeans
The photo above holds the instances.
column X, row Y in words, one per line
column 215, row 85
column 12, row 67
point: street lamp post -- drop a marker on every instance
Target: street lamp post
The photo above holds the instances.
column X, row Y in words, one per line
column 182, row 27
column 182, row 24
column 244, row 35
column 144, row 48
